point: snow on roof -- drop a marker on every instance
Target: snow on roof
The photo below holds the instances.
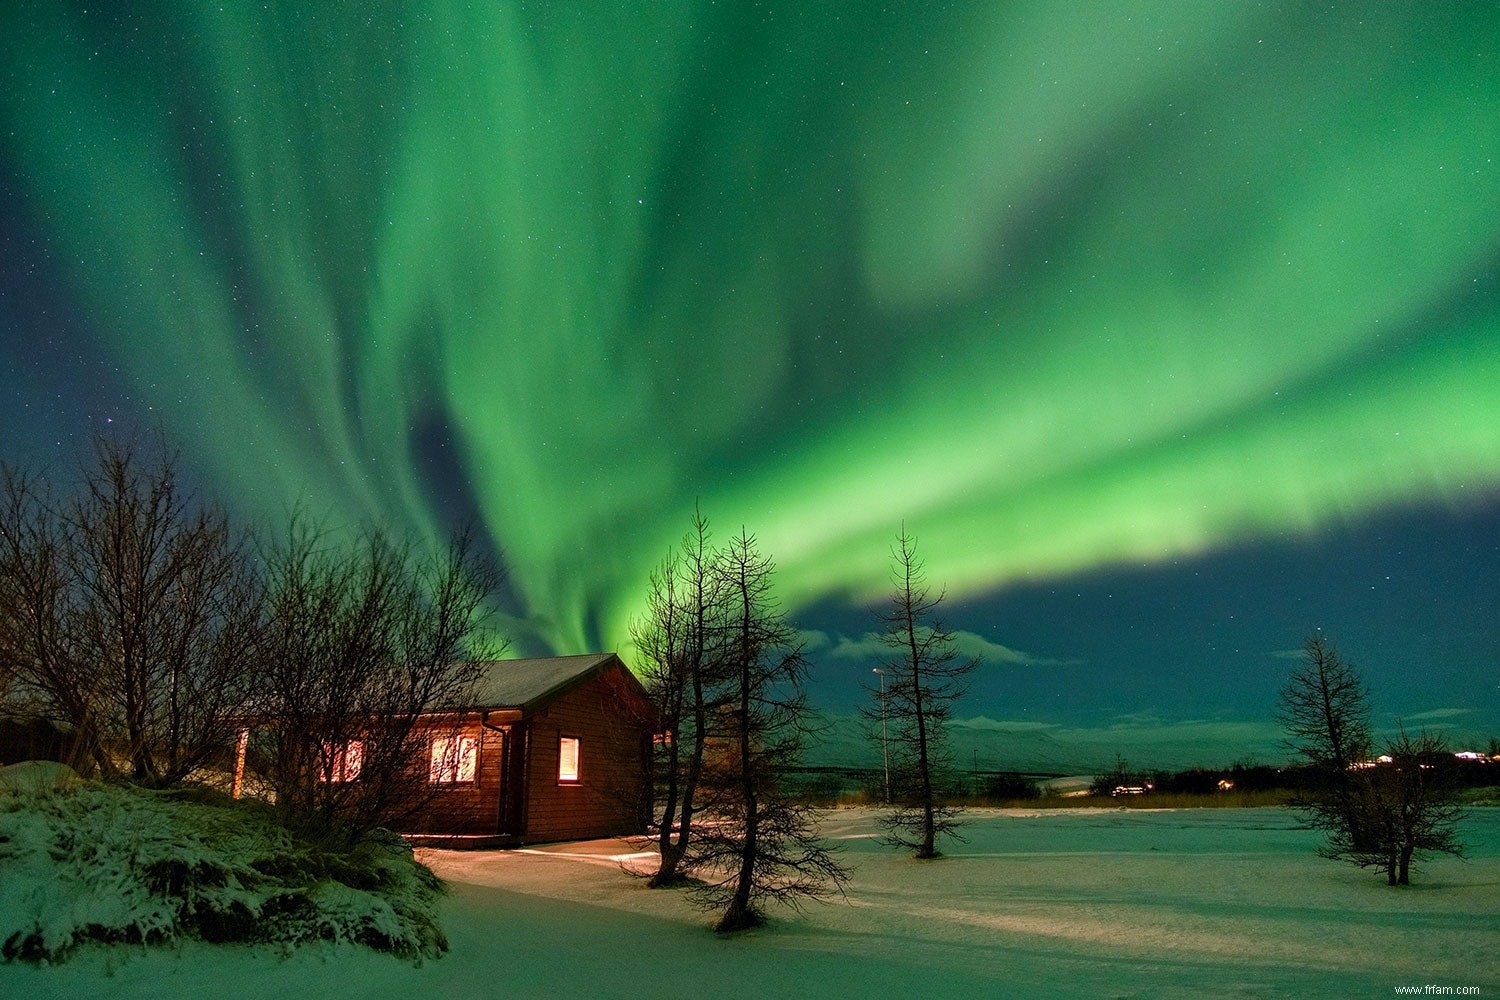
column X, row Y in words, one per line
column 524, row 683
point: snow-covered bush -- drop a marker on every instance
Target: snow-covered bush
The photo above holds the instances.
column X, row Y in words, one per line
column 36, row 777
column 96, row 862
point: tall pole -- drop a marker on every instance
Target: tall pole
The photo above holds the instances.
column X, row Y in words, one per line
column 885, row 746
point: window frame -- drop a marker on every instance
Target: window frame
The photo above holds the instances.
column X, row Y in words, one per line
column 438, row 771
column 338, row 769
column 577, row 777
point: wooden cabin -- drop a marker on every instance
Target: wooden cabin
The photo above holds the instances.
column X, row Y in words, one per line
column 555, row 748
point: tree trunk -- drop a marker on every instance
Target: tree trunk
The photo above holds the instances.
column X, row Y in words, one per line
column 673, row 851
column 928, row 849
column 740, row 914
column 670, row 850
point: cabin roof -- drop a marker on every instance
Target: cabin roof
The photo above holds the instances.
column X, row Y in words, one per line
column 528, row 683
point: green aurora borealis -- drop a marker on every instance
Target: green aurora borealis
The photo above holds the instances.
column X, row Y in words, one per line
column 1063, row 286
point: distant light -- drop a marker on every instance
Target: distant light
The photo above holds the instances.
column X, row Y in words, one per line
column 1362, row 765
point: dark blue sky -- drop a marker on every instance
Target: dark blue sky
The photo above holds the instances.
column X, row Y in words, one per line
column 1171, row 332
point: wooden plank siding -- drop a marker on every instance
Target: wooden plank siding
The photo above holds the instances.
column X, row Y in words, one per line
column 516, row 792
column 614, row 759
column 462, row 807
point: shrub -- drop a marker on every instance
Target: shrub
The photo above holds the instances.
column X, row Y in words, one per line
column 106, row 863
column 1011, row 786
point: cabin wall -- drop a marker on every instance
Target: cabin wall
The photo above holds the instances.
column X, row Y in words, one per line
column 467, row 807
column 608, row 799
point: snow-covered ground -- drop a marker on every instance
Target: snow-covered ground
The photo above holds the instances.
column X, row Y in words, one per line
column 1071, row 903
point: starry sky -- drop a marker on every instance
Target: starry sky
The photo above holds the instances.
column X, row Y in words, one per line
column 1170, row 329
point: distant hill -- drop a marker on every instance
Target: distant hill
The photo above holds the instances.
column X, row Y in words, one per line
column 987, row 745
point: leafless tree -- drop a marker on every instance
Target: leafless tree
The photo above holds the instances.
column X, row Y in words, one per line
column 364, row 640
column 677, row 639
column 34, row 596
column 132, row 613
column 1325, row 710
column 762, row 843
column 927, row 677
column 1406, row 809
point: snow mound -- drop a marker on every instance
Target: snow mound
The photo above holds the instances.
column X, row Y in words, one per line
column 94, row 862
column 36, row 776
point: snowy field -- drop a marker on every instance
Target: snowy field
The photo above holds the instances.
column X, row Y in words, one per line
column 1072, row 903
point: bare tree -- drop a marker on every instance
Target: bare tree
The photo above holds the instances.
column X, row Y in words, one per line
column 35, row 598
column 927, row 677
column 1325, row 710
column 169, row 614
column 132, row 614
column 1406, row 808
column 763, row 842
column 677, row 641
column 364, row 640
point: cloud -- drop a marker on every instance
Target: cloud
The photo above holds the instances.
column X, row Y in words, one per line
column 813, row 641
column 1441, row 713
column 1134, row 719
column 971, row 644
column 1002, row 725
column 841, row 647
column 867, row 648
column 871, row 648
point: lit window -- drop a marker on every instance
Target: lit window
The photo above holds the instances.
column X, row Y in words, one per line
column 343, row 762
column 567, row 758
column 453, row 759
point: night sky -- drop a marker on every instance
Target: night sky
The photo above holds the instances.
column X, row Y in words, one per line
column 1171, row 330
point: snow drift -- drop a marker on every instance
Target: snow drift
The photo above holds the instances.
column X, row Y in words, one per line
column 91, row 862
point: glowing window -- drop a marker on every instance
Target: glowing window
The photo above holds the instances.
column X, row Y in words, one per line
column 453, row 759
column 568, row 752
column 342, row 761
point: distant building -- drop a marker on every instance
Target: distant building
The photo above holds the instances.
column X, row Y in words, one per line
column 1131, row 790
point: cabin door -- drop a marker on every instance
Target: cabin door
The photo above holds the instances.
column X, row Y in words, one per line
column 512, row 817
